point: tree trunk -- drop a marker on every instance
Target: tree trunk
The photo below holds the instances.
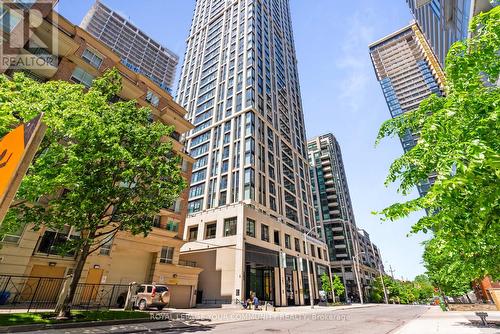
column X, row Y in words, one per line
column 64, row 310
column 444, row 298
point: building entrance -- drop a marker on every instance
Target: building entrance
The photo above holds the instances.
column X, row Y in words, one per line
column 290, row 298
column 260, row 264
column 305, row 286
column 260, row 280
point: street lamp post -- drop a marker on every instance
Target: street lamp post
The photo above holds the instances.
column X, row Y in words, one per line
column 356, row 264
column 331, row 283
column 383, row 284
column 381, row 277
column 308, row 266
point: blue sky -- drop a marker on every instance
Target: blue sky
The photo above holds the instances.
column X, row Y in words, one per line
column 339, row 91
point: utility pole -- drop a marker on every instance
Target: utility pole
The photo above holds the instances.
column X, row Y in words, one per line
column 331, row 283
column 391, row 271
column 345, row 283
column 386, row 299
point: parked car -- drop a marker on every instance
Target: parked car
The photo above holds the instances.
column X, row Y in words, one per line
column 146, row 296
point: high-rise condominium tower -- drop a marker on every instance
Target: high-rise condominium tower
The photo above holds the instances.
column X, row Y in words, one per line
column 136, row 49
column 444, row 22
column 408, row 72
column 334, row 212
column 250, row 198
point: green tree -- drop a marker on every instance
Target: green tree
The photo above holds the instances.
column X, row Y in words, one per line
column 338, row 287
column 326, row 284
column 408, row 293
column 403, row 292
column 377, row 290
column 445, row 268
column 102, row 167
column 459, row 142
column 393, row 289
column 424, row 287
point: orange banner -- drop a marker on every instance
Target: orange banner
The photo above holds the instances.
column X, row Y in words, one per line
column 11, row 153
column 17, row 149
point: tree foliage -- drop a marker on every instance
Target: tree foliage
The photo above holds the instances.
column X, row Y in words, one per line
column 102, row 167
column 326, row 284
column 402, row 292
column 445, row 267
column 424, row 287
column 459, row 142
column 338, row 287
column 334, row 285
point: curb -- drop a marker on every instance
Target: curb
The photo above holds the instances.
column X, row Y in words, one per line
column 406, row 322
column 316, row 308
column 336, row 308
column 76, row 324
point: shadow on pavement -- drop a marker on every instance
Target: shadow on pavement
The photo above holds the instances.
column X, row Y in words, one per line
column 479, row 324
column 178, row 322
column 186, row 329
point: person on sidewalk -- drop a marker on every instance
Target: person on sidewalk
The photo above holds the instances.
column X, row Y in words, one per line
column 255, row 302
column 247, row 304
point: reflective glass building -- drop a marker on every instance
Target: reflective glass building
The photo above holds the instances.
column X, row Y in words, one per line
column 408, row 72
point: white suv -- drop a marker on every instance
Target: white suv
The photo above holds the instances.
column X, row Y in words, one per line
column 146, row 296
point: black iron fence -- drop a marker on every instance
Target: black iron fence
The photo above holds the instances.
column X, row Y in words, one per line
column 42, row 293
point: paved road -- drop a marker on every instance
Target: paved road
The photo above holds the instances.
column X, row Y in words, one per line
column 372, row 320
column 380, row 319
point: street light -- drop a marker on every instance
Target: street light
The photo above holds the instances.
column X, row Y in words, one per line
column 356, row 264
column 381, row 277
column 308, row 266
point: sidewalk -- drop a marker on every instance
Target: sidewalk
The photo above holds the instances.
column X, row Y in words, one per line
column 436, row 321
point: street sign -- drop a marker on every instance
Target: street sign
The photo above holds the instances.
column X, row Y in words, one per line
column 17, row 149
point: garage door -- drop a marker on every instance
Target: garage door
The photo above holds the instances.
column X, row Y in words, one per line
column 46, row 288
column 180, row 296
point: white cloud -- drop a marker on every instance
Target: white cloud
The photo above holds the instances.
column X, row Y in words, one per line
column 354, row 60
